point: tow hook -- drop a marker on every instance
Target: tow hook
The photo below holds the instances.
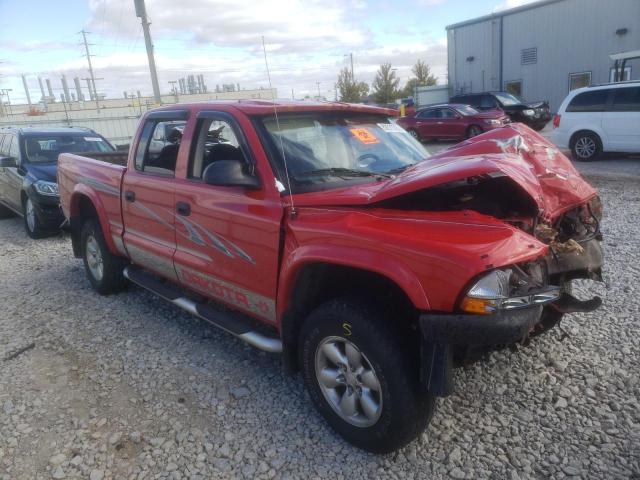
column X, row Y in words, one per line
column 567, row 303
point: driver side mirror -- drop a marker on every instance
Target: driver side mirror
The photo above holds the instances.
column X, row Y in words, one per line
column 7, row 162
column 229, row 173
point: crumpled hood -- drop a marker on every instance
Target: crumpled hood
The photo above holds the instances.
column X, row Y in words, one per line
column 515, row 151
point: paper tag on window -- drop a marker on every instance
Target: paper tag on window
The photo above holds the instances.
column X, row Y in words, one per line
column 93, row 139
column 364, row 135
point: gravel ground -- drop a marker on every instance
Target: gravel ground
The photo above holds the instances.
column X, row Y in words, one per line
column 129, row 387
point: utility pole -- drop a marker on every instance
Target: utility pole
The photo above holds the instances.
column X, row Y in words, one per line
column 93, row 78
column 318, row 83
column 5, row 91
column 353, row 78
column 26, row 90
column 141, row 12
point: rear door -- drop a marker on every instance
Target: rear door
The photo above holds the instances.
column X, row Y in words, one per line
column 621, row 119
column 148, row 201
column 227, row 237
column 426, row 123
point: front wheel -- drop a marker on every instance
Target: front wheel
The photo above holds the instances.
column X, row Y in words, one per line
column 473, row 131
column 103, row 269
column 414, row 134
column 32, row 224
column 362, row 376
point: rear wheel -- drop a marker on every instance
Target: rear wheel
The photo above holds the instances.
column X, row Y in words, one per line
column 473, row 131
column 586, row 146
column 103, row 269
column 362, row 377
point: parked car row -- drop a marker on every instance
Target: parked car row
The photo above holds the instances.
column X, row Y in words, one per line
column 590, row 120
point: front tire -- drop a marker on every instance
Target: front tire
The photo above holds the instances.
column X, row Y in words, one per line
column 414, row 134
column 586, row 146
column 32, row 224
column 362, row 377
column 103, row 269
column 473, row 131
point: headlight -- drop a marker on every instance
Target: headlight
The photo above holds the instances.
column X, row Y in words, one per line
column 529, row 112
column 492, row 122
column 46, row 188
column 507, row 289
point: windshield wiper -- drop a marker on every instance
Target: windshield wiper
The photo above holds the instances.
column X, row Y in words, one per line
column 401, row 169
column 340, row 172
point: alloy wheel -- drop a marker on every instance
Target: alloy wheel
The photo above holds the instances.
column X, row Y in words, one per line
column 94, row 258
column 348, row 382
column 31, row 215
column 585, row 147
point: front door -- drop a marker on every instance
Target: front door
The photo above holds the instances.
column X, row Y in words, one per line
column 621, row 121
column 227, row 237
column 148, row 201
column 14, row 176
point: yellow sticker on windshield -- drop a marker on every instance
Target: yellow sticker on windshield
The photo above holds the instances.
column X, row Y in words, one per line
column 364, row 135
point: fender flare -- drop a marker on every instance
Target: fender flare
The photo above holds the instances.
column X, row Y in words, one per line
column 81, row 190
column 388, row 267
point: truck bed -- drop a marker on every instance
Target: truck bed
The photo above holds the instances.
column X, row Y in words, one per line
column 97, row 176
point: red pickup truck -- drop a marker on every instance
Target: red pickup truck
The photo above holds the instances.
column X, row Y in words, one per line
column 324, row 231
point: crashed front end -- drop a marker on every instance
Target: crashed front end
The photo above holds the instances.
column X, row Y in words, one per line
column 510, row 304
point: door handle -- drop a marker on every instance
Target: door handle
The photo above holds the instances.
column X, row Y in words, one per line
column 183, row 209
column 130, row 196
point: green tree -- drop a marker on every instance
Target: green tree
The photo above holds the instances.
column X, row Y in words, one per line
column 348, row 89
column 422, row 78
column 385, row 85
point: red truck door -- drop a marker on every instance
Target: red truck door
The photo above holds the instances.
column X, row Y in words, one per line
column 227, row 237
column 148, row 199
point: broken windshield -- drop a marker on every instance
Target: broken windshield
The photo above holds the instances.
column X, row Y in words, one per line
column 322, row 148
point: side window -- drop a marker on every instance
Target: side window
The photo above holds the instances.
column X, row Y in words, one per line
column 473, row 100
column 428, row 113
column 447, row 113
column 487, row 101
column 2, row 136
column 215, row 140
column 159, row 158
column 14, row 148
column 594, row 101
column 626, row 99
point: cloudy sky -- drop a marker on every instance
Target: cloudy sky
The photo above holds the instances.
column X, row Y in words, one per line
column 306, row 40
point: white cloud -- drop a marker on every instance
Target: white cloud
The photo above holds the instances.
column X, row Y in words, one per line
column 507, row 4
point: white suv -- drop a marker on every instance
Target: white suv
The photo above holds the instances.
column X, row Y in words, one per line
column 593, row 120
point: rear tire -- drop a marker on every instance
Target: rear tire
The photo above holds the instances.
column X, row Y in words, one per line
column 362, row 377
column 103, row 269
column 585, row 146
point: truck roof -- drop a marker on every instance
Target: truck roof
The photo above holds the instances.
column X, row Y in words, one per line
column 265, row 107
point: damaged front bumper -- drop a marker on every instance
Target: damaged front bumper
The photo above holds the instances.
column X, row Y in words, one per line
column 443, row 333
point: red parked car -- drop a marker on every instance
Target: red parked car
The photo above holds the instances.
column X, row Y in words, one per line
column 451, row 122
column 329, row 235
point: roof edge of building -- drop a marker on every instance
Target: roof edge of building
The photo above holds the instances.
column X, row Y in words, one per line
column 502, row 13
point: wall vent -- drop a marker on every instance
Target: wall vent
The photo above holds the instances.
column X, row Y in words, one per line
column 529, row 56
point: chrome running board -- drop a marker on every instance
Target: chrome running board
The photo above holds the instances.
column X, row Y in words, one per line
column 229, row 322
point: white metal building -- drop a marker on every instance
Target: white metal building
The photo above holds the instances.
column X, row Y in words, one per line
column 543, row 50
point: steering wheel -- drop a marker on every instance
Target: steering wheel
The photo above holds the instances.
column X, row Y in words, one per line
column 362, row 162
